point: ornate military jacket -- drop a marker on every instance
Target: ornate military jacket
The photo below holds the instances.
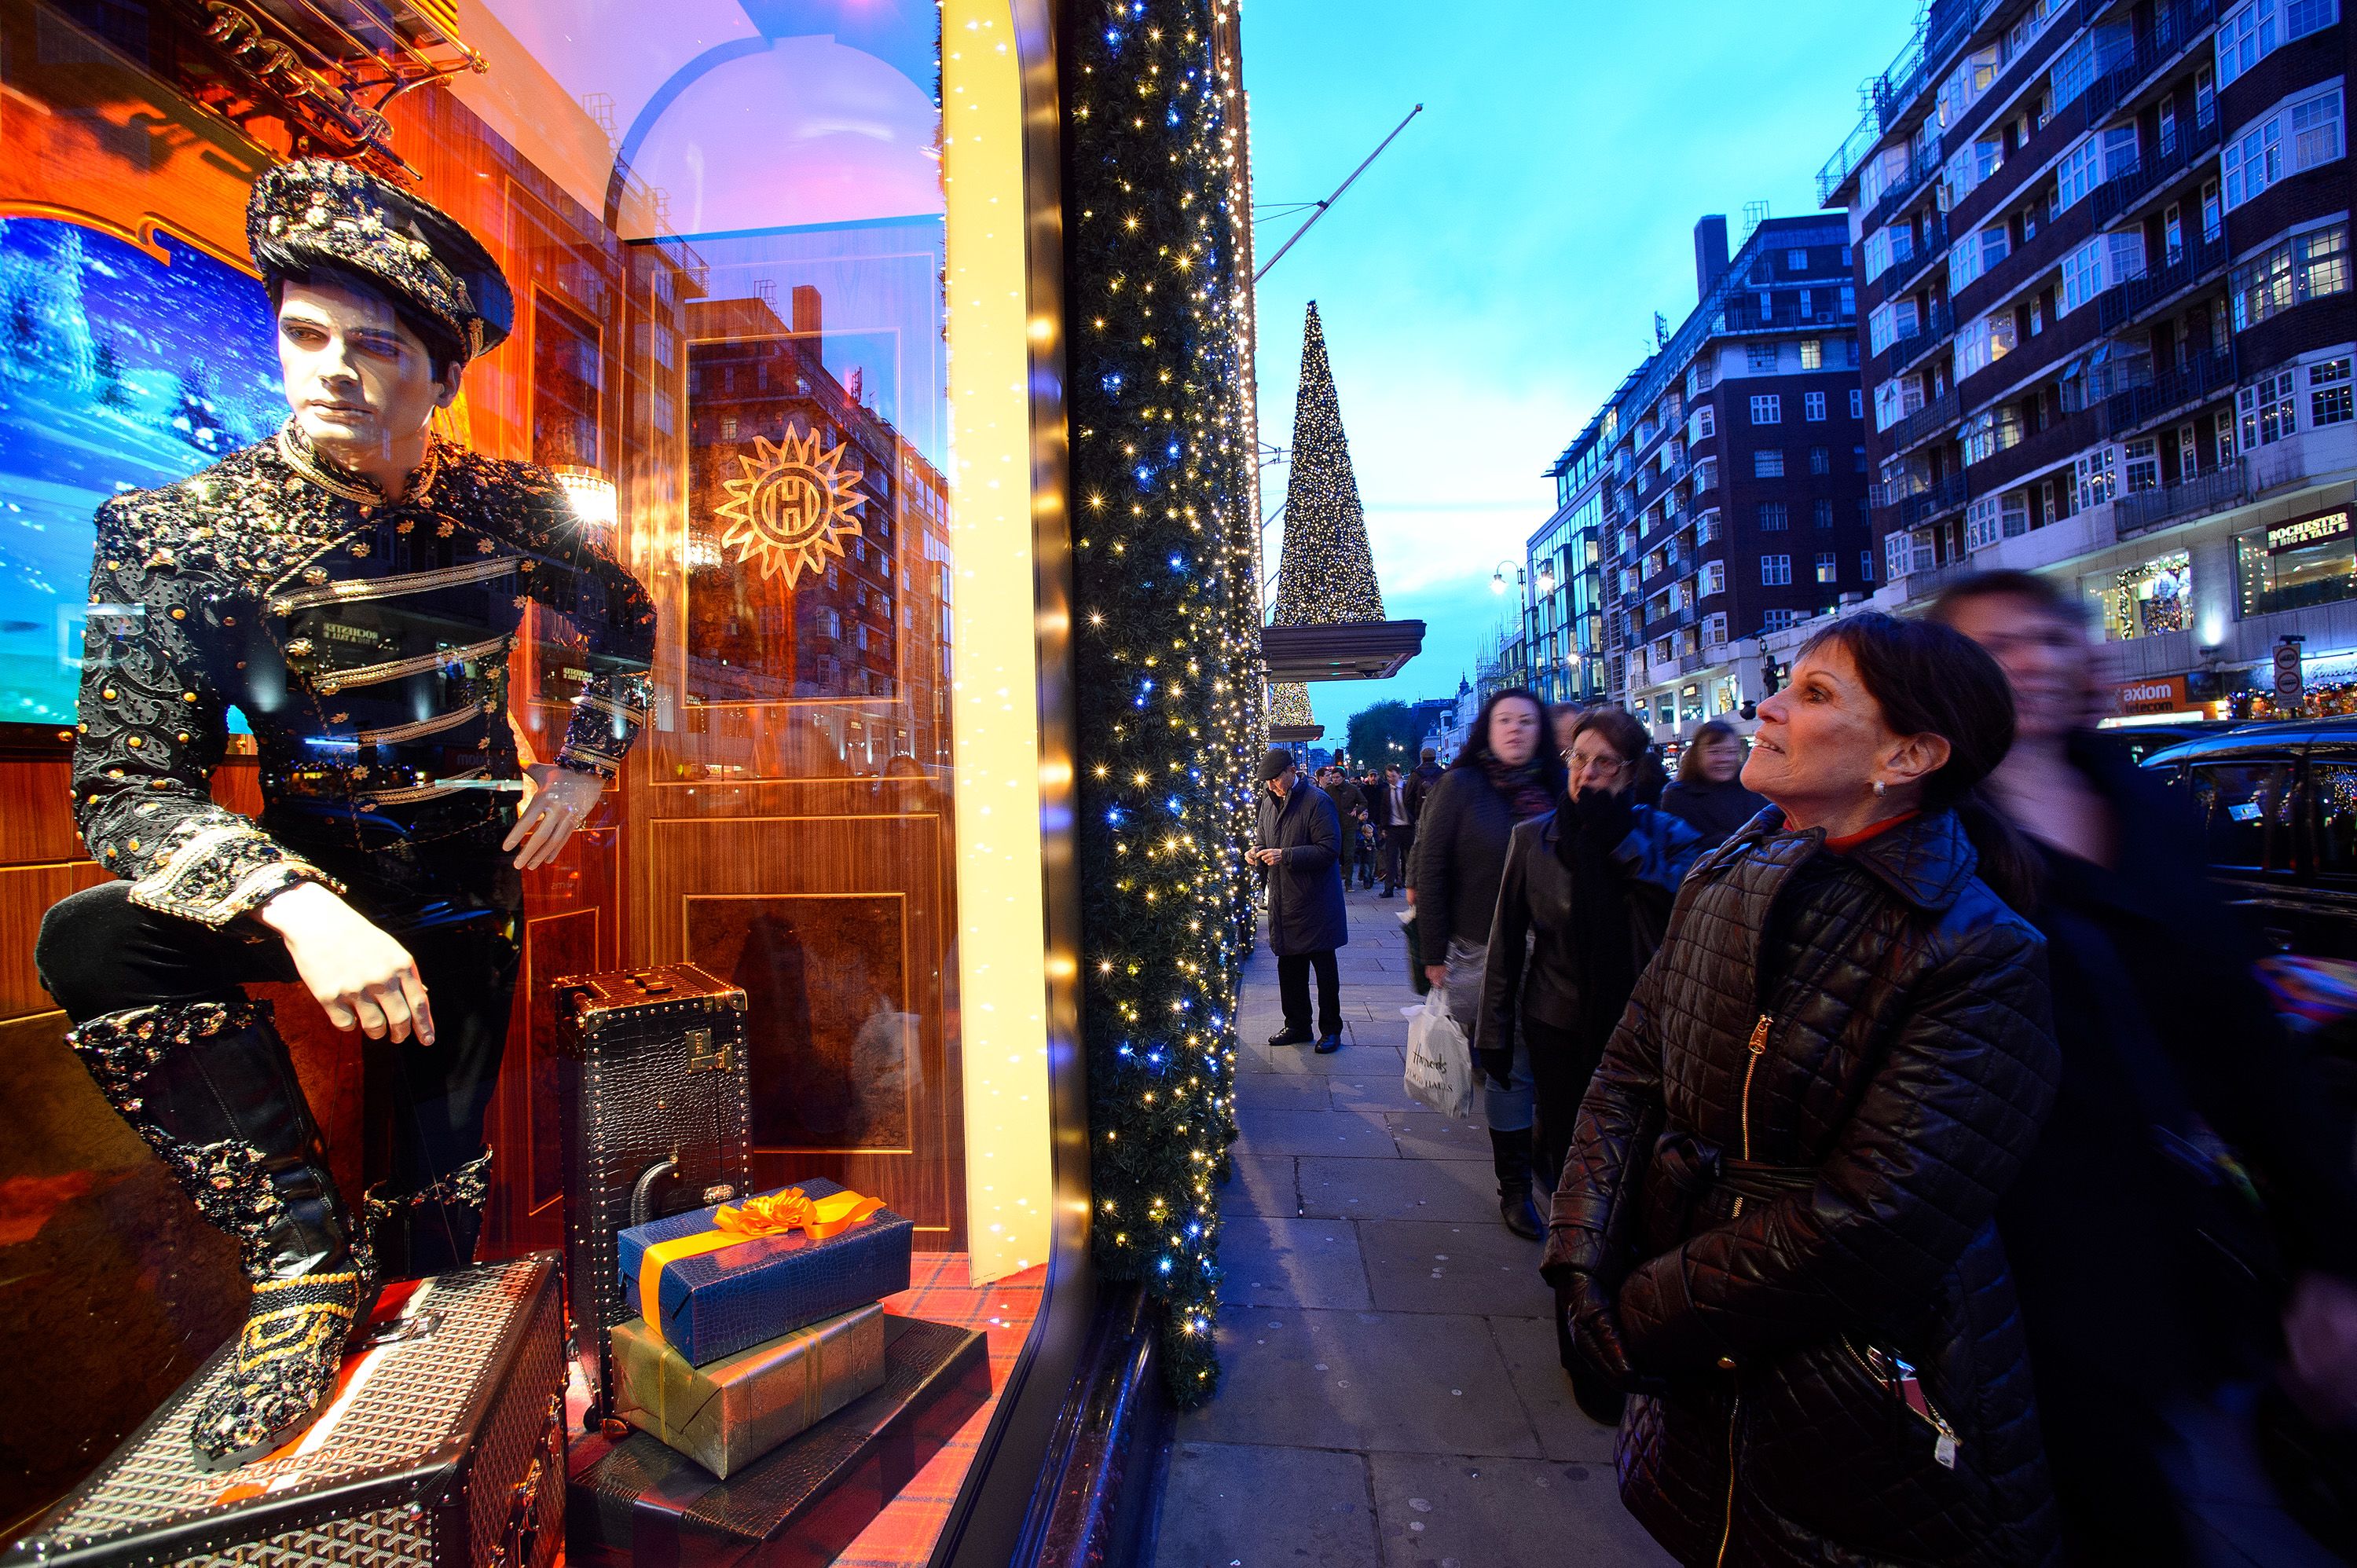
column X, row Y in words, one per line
column 365, row 641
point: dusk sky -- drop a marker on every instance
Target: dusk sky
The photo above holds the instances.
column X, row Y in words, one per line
column 1491, row 280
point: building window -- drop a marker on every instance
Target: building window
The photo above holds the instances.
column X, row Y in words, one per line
column 1821, row 460
column 2224, row 422
column 1827, row 570
column 1796, row 261
column 2141, row 459
column 2102, row 262
column 1823, row 511
column 1760, row 358
column 2252, row 31
column 2304, row 267
column 1813, row 352
column 1894, row 555
column 2269, row 410
column 1890, row 322
column 1778, row 620
column 1866, row 566
column 2328, row 397
column 1714, row 577
column 2301, row 134
column 1857, row 459
column 1773, row 518
column 2078, row 172
column 1706, row 424
column 1858, row 402
column 2213, row 209
column 1767, row 408
column 1775, row 570
column 2097, row 473
column 1714, row 630
column 1768, row 463
column 1812, row 406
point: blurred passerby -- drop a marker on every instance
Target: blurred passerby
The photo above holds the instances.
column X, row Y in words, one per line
column 1350, row 813
column 1307, row 921
column 1561, row 720
column 1652, row 778
column 1395, row 830
column 1586, row 891
column 1708, row 795
column 2147, row 1339
column 1777, row 1228
column 1506, row 774
column 1421, row 778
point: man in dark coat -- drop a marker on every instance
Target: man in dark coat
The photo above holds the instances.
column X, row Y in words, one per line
column 1351, row 810
column 1298, row 843
column 1387, row 808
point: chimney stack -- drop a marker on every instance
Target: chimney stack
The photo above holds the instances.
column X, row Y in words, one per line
column 806, row 307
column 1710, row 253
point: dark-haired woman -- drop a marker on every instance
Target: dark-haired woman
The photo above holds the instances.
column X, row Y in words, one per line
column 2167, row 1044
column 1776, row 1226
column 1584, row 895
column 1708, row 795
column 1506, row 774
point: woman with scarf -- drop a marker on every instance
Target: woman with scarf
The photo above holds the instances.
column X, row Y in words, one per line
column 1506, row 774
column 1586, row 894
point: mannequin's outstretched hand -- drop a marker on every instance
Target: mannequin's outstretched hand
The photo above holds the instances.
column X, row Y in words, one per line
column 561, row 802
column 364, row 979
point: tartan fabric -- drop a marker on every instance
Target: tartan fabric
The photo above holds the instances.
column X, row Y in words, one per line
column 903, row 1536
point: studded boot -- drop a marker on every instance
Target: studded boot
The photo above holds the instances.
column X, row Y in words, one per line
column 433, row 1230
column 210, row 1087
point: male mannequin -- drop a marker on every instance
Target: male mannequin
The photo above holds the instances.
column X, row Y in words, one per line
column 352, row 585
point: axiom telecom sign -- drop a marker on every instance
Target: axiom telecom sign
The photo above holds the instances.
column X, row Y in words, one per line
column 2322, row 529
column 2163, row 696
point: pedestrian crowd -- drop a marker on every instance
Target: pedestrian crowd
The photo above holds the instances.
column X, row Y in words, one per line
column 1921, row 1172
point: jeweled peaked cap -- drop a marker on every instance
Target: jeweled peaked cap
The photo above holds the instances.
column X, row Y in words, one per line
column 315, row 213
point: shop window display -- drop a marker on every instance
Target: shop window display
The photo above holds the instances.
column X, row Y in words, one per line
column 2311, row 561
column 721, row 238
column 2145, row 600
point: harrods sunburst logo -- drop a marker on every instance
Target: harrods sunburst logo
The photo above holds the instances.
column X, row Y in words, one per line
column 792, row 506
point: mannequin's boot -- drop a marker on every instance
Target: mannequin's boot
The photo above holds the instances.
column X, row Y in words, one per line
column 1512, row 1154
column 210, row 1087
column 433, row 1230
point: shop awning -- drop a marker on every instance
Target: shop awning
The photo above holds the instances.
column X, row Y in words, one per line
column 1354, row 650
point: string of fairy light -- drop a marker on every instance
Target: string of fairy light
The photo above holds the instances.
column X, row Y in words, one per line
column 1168, row 657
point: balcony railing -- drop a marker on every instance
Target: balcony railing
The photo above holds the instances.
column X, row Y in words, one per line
column 2173, row 31
column 1930, row 419
column 1931, row 252
column 2198, row 263
column 2114, row 197
column 1910, row 509
column 2204, row 493
column 2133, row 408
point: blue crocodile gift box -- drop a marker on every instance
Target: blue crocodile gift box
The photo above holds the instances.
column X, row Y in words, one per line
column 715, row 1304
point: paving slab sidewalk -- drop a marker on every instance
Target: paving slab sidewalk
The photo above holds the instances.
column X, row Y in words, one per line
column 1390, row 1394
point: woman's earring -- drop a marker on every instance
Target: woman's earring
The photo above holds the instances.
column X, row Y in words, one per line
column 1878, row 786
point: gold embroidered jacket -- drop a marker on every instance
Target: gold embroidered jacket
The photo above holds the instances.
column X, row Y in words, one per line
column 366, row 643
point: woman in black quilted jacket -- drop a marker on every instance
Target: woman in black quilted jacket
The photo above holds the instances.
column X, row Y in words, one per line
column 1775, row 1229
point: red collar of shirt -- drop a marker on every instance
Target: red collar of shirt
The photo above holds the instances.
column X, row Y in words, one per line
column 1848, row 841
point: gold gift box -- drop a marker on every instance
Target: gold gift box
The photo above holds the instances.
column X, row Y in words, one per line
column 728, row 1413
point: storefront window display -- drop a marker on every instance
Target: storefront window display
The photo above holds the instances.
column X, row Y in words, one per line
column 2143, row 600
column 2291, row 565
column 733, row 234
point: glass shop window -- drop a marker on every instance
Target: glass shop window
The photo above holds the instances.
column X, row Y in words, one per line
column 2246, row 809
column 2145, row 600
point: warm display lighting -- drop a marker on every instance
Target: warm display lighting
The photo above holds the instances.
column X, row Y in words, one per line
column 1168, row 672
column 588, row 492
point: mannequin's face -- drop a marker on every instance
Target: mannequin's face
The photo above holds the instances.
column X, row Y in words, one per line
column 360, row 383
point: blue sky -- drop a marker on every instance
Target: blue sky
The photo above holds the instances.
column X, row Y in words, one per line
column 1491, row 280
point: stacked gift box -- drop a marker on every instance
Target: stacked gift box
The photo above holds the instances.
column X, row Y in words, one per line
column 756, row 1321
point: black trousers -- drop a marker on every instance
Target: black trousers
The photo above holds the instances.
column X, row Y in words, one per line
column 100, row 953
column 1397, row 844
column 1293, row 986
column 1561, row 1065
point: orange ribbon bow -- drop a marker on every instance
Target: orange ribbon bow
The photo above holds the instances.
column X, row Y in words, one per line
column 756, row 1218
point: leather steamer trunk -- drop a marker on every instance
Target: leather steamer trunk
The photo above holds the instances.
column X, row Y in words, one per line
column 444, row 1448
column 634, row 1503
column 656, row 1117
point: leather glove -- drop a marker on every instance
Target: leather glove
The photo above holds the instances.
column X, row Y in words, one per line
column 1596, row 1334
column 1605, row 818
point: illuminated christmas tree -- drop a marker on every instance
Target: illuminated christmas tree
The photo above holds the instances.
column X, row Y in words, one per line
column 1326, row 573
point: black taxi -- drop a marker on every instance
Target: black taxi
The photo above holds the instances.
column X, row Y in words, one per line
column 2277, row 805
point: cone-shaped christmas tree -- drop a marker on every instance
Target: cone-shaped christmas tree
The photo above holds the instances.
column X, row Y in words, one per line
column 1327, row 574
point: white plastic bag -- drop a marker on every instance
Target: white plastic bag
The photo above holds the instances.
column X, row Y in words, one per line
column 1439, row 1057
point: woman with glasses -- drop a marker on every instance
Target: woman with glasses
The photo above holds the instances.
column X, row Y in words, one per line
column 1581, row 906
